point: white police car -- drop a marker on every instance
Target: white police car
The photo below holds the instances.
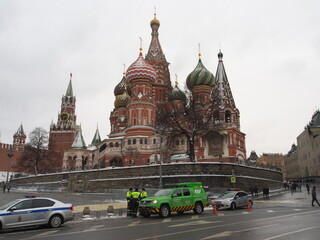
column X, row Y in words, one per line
column 34, row 210
column 233, row 200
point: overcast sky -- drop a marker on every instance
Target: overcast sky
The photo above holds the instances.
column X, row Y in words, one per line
column 271, row 54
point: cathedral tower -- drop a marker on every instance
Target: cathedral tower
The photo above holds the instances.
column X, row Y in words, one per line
column 19, row 139
column 156, row 58
column 62, row 134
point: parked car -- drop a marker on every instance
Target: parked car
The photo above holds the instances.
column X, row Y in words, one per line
column 33, row 210
column 233, row 200
column 180, row 198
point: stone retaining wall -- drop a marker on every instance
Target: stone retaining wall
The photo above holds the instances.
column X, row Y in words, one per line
column 100, row 180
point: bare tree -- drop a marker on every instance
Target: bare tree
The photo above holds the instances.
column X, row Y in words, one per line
column 36, row 158
column 192, row 118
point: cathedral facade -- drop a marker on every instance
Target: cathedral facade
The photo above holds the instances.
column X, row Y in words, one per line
column 137, row 135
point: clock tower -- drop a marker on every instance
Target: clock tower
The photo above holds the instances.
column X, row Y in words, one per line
column 63, row 133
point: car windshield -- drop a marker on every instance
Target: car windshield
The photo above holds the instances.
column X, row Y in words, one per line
column 227, row 195
column 9, row 205
column 163, row 192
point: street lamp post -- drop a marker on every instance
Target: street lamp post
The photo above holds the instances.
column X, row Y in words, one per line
column 160, row 164
column 10, row 155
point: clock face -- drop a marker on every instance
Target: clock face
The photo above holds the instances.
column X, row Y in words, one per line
column 64, row 117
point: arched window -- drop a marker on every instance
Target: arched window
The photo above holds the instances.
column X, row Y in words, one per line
column 228, row 116
column 154, row 141
column 117, row 144
column 129, row 142
column 182, row 142
column 134, row 141
column 177, row 142
column 111, row 145
column 146, row 141
column 141, row 141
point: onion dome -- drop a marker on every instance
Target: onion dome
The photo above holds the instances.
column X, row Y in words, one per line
column 177, row 94
column 141, row 69
column 200, row 76
column 122, row 100
column 155, row 21
column 119, row 89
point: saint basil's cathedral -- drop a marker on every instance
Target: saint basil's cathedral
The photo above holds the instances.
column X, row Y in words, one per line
column 134, row 138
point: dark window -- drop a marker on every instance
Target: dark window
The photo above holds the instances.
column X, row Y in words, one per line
column 186, row 192
column 141, row 141
column 177, row 142
column 129, row 142
column 178, row 192
column 182, row 142
column 134, row 141
column 154, row 141
column 23, row 205
column 111, row 144
column 146, row 141
column 117, row 144
column 37, row 203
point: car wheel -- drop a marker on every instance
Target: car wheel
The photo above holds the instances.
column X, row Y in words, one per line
column 198, row 208
column 55, row 221
column 164, row 211
column 233, row 206
column 180, row 212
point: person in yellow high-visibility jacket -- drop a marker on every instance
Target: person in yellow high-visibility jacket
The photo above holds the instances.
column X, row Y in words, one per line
column 143, row 193
column 129, row 202
column 135, row 202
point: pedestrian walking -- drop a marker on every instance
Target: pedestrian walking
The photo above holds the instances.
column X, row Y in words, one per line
column 4, row 187
column 135, row 202
column 129, row 198
column 143, row 193
column 308, row 188
column 8, row 187
column 314, row 196
column 256, row 190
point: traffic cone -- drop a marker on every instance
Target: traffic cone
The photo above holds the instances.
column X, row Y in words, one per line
column 215, row 211
column 249, row 208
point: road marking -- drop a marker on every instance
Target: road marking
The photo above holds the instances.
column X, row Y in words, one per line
column 270, row 211
column 167, row 220
column 297, row 209
column 273, row 201
column 245, row 212
column 134, row 224
column 289, row 233
column 45, row 234
column 220, row 214
column 228, row 233
column 93, row 228
column 194, row 223
column 195, row 217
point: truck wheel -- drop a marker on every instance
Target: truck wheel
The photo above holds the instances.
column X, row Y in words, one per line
column 198, row 208
column 233, row 206
column 164, row 211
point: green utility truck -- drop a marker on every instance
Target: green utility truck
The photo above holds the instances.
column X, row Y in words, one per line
column 179, row 198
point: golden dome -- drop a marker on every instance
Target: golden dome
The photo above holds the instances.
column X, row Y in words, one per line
column 155, row 21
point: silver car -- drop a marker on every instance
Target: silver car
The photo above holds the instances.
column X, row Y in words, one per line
column 233, row 200
column 35, row 211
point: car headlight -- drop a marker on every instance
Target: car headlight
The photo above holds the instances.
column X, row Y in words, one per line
column 154, row 201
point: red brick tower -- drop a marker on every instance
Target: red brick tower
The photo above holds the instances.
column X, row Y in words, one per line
column 62, row 134
column 19, row 140
column 155, row 57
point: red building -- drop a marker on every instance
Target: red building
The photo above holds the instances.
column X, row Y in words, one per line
column 9, row 153
column 62, row 134
column 135, row 139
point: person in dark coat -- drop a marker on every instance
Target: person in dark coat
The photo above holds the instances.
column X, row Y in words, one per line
column 314, row 196
column 308, row 188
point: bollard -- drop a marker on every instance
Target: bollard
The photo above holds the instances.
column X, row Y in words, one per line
column 249, row 208
column 86, row 211
column 215, row 211
column 110, row 211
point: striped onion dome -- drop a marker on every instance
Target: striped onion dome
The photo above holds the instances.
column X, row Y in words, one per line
column 177, row 94
column 122, row 100
column 200, row 76
column 140, row 69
